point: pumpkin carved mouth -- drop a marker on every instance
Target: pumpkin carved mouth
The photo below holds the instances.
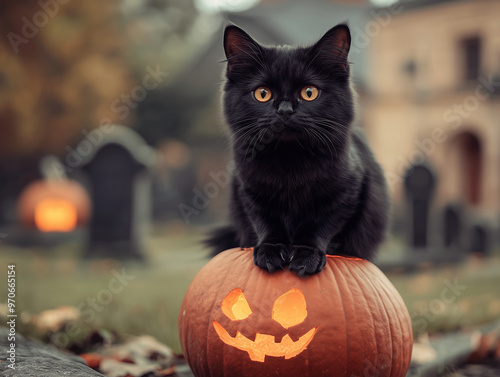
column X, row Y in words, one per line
column 264, row 345
column 288, row 310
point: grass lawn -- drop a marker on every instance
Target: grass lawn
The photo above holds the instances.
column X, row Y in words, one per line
column 148, row 302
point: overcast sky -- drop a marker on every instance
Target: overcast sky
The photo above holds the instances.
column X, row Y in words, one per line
column 214, row 6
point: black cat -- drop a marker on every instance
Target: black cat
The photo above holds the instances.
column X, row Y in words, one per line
column 305, row 181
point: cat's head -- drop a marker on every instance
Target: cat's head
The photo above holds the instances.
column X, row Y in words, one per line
column 288, row 97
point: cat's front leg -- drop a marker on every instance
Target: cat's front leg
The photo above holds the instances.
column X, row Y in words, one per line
column 271, row 256
column 271, row 252
column 308, row 249
column 306, row 260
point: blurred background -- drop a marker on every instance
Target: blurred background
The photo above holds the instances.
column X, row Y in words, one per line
column 114, row 155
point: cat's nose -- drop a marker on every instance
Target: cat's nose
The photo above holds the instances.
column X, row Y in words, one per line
column 285, row 109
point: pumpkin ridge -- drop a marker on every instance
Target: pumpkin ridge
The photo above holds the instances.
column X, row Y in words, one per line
column 399, row 322
column 366, row 305
column 400, row 325
column 310, row 365
column 255, row 275
column 382, row 299
column 246, row 269
column 402, row 329
column 215, row 302
column 343, row 310
column 391, row 290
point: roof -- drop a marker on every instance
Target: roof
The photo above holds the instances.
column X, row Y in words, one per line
column 292, row 22
column 416, row 4
column 298, row 22
column 123, row 136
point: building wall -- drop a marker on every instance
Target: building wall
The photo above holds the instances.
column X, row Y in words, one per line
column 425, row 114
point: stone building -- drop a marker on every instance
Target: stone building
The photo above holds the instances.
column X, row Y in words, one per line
column 434, row 76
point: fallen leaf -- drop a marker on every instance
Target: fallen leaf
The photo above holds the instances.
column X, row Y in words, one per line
column 167, row 372
column 423, row 353
column 114, row 368
column 486, row 345
column 55, row 319
column 142, row 350
column 93, row 360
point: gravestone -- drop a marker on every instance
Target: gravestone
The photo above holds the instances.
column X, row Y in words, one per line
column 419, row 183
column 452, row 226
column 479, row 242
column 119, row 178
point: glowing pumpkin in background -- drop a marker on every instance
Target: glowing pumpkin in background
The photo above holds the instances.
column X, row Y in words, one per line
column 54, row 205
column 237, row 320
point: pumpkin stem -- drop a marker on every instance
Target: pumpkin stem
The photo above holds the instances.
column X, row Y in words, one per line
column 52, row 168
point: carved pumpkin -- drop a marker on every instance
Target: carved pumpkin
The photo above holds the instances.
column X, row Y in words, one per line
column 239, row 320
column 54, row 205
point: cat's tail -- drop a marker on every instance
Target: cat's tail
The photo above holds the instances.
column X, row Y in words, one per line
column 221, row 239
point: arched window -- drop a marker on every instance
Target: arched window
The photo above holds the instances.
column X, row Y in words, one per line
column 470, row 163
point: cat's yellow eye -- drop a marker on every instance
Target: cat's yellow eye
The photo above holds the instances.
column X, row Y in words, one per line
column 309, row 93
column 262, row 94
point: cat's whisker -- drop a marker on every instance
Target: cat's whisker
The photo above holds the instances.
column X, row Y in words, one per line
column 260, row 137
column 246, row 152
column 329, row 120
column 230, row 139
column 257, row 55
column 244, row 137
column 257, row 137
column 251, row 143
column 298, row 141
column 259, row 61
column 244, row 130
column 312, row 60
column 328, row 140
column 324, row 140
column 250, row 122
column 319, row 126
column 332, row 126
column 277, row 143
column 331, row 123
column 334, row 132
column 310, row 136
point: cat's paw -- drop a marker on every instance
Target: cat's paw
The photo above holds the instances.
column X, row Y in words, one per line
column 271, row 257
column 306, row 260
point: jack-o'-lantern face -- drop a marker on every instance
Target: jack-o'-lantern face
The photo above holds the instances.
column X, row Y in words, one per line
column 288, row 310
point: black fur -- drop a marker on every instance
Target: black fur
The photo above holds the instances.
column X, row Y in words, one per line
column 306, row 182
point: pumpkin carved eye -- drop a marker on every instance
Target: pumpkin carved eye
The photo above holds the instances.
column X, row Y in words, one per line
column 290, row 308
column 235, row 305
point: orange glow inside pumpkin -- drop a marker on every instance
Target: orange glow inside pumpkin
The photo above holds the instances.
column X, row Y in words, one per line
column 288, row 310
column 55, row 215
column 235, row 305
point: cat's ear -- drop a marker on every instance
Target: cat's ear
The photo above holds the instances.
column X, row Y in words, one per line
column 240, row 48
column 336, row 42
